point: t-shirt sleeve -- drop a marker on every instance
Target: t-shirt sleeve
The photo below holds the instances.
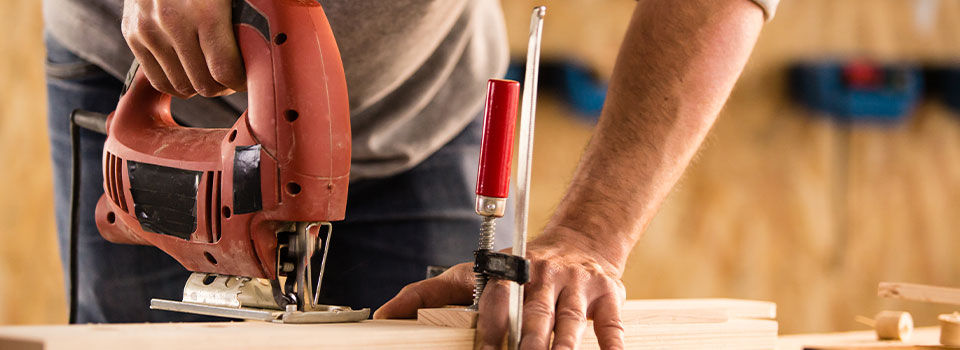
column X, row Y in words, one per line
column 769, row 8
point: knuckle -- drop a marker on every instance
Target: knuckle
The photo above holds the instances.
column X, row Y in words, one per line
column 208, row 91
column 143, row 25
column 549, row 269
column 582, row 275
column 222, row 73
column 169, row 16
column 538, row 308
column 572, row 314
column 206, row 86
column 126, row 28
column 184, row 89
column 157, row 86
column 410, row 288
column 615, row 290
column 608, row 285
column 611, row 324
column 164, row 87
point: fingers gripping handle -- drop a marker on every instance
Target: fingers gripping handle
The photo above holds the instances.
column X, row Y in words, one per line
column 496, row 149
column 155, row 103
column 295, row 84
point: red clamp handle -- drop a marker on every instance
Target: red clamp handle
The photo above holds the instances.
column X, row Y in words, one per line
column 496, row 149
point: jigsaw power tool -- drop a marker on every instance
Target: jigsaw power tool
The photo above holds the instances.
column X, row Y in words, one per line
column 245, row 208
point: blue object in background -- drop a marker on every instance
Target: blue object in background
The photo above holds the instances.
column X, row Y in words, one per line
column 582, row 89
column 945, row 81
column 515, row 71
column 575, row 84
column 857, row 91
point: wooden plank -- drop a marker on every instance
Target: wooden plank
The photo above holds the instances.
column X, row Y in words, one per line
column 456, row 317
column 641, row 332
column 923, row 338
column 733, row 334
column 460, row 317
column 733, row 308
column 647, row 311
column 880, row 347
column 373, row 334
column 919, row 292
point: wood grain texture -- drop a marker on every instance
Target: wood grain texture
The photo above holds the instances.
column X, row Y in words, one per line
column 924, row 338
column 456, row 317
column 649, row 311
column 919, row 292
column 640, row 309
column 891, row 346
column 377, row 334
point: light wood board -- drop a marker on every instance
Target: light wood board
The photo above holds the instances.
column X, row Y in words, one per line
column 919, row 292
column 922, row 338
column 646, row 311
column 756, row 331
column 732, row 308
column 375, row 334
column 453, row 316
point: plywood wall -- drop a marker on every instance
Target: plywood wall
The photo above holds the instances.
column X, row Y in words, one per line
column 31, row 287
column 780, row 204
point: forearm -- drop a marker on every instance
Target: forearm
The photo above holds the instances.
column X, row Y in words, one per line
column 676, row 68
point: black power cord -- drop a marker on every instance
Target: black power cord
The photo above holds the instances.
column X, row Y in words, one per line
column 94, row 122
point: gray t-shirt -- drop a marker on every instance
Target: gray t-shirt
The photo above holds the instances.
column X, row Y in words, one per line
column 415, row 69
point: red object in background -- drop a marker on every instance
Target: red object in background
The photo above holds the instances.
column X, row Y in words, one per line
column 496, row 149
column 287, row 158
column 863, row 75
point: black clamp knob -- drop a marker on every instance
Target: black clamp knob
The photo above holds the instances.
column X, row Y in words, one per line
column 502, row 266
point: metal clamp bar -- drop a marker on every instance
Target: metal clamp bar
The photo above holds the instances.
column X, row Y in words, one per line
column 528, row 112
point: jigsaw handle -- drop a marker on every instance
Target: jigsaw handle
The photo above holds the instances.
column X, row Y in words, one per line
column 214, row 199
column 282, row 51
column 298, row 111
column 496, row 148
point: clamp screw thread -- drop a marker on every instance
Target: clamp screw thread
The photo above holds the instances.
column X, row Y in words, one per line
column 487, row 232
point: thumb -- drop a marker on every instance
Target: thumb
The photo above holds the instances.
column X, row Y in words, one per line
column 451, row 287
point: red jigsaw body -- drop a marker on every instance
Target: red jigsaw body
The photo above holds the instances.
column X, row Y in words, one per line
column 287, row 158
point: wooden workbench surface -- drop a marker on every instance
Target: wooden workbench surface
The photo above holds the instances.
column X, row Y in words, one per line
column 748, row 325
column 375, row 334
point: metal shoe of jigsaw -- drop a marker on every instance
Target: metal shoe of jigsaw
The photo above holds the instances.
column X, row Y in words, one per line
column 242, row 207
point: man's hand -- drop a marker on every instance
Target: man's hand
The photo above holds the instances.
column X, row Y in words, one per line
column 185, row 47
column 571, row 282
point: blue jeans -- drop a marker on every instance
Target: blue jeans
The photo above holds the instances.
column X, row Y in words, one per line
column 395, row 227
